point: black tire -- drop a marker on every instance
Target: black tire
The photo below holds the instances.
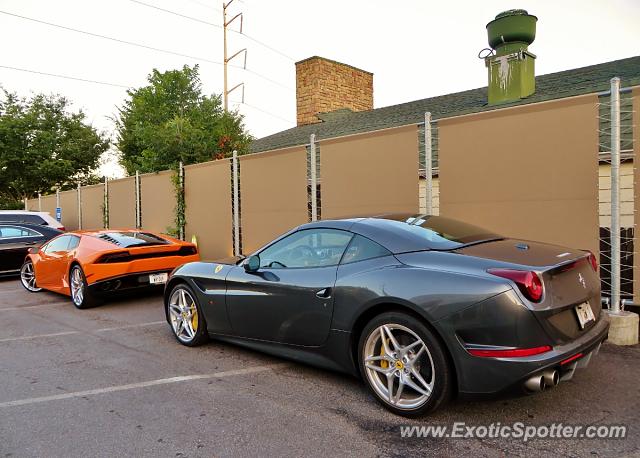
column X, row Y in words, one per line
column 181, row 302
column 82, row 299
column 28, row 277
column 431, row 365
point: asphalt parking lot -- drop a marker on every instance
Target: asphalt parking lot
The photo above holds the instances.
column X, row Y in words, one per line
column 112, row 381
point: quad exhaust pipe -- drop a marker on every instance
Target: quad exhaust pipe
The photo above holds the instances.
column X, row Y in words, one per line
column 539, row 382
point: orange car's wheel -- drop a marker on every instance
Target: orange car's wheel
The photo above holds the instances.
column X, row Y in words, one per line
column 80, row 294
column 28, row 277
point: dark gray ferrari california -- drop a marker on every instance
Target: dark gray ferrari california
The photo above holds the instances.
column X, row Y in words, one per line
column 422, row 307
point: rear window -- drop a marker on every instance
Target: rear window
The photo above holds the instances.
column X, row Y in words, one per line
column 438, row 233
column 21, row 218
column 132, row 239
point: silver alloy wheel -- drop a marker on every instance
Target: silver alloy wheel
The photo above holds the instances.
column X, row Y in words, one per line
column 395, row 360
column 28, row 277
column 77, row 286
column 183, row 315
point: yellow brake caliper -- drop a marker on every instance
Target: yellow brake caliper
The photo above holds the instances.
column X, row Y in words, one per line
column 194, row 318
column 383, row 363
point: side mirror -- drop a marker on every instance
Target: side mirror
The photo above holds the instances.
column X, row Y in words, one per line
column 33, row 250
column 252, row 264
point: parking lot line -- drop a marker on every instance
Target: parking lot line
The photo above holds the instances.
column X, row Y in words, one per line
column 66, row 333
column 149, row 383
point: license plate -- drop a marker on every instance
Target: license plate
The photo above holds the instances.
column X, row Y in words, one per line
column 585, row 314
column 158, row 279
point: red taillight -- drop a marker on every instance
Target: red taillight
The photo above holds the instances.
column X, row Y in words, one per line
column 528, row 282
column 62, row 228
column 511, row 353
column 593, row 261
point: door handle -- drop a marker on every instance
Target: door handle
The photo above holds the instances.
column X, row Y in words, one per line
column 29, row 243
column 324, row 293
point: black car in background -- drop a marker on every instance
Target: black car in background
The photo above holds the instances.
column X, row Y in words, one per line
column 15, row 241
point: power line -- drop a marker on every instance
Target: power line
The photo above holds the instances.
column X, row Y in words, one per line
column 106, row 37
column 140, row 45
column 105, row 83
column 175, row 13
column 289, row 121
column 75, row 78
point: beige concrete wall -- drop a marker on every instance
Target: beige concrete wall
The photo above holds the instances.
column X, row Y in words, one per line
column 208, row 208
column 32, row 205
column 158, row 201
column 48, row 204
column 92, row 198
column 370, row 174
column 529, row 172
column 274, row 195
column 122, row 203
column 69, row 207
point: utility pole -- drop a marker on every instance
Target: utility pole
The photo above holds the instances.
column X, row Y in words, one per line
column 225, row 24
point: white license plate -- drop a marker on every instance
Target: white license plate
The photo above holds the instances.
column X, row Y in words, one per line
column 158, row 279
column 585, row 314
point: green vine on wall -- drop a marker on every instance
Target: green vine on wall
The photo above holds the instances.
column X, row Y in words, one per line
column 180, row 209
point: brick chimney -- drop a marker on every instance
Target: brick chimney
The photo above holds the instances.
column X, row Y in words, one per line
column 323, row 85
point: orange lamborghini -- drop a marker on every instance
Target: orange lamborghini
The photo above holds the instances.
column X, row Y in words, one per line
column 87, row 265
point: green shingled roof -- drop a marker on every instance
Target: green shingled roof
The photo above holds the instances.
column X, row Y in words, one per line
column 585, row 80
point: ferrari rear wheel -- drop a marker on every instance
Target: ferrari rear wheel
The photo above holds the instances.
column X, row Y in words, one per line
column 185, row 317
column 404, row 365
column 80, row 294
column 28, row 277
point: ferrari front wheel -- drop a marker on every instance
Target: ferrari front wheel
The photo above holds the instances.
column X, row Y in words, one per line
column 185, row 316
column 80, row 294
column 28, row 277
column 404, row 365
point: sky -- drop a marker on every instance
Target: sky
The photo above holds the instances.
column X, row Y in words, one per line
column 415, row 48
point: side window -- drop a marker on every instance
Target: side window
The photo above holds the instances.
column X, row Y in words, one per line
column 362, row 248
column 307, row 248
column 74, row 242
column 15, row 231
column 58, row 244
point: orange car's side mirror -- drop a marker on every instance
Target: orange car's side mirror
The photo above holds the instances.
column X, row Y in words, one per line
column 34, row 250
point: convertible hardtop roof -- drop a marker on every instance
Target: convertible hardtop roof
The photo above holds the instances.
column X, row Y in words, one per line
column 384, row 229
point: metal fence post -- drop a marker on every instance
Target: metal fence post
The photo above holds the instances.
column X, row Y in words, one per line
column 236, row 210
column 314, row 177
column 138, row 204
column 615, row 194
column 79, row 196
column 428, row 156
column 182, row 197
column 39, row 202
column 105, row 214
column 26, row 203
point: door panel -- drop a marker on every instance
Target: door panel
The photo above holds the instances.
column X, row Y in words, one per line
column 282, row 305
column 12, row 254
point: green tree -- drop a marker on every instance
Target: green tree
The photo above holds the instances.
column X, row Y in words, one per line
column 43, row 145
column 170, row 120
